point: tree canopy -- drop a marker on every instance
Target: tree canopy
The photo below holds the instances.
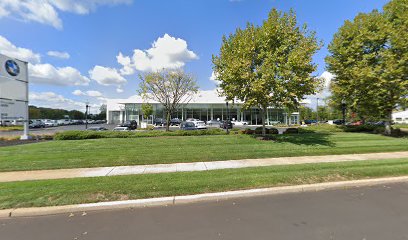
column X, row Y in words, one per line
column 169, row 87
column 368, row 57
column 268, row 65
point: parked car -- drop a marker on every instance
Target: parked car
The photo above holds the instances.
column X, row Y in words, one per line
column 188, row 126
column 132, row 125
column 159, row 122
column 50, row 123
column 175, row 122
column 357, row 123
column 310, row 121
column 338, row 122
column 214, row 122
column 121, row 129
column 35, row 123
column 226, row 124
column 98, row 129
column 239, row 123
column 198, row 123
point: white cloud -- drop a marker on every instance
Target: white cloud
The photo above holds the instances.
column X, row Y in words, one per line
column 53, row 100
column 57, row 54
column 166, row 52
column 214, row 79
column 90, row 93
column 48, row 74
column 46, row 11
column 78, row 92
column 93, row 93
column 9, row 49
column 324, row 93
column 106, row 76
column 119, row 90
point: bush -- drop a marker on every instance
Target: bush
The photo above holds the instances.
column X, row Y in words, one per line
column 364, row 128
column 81, row 135
column 258, row 130
column 291, row 131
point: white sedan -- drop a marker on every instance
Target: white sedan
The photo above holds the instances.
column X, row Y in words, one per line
column 239, row 123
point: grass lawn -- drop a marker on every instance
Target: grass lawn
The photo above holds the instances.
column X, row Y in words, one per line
column 11, row 128
column 137, row 151
column 86, row 190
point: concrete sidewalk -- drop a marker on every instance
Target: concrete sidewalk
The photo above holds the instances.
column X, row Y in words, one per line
column 189, row 167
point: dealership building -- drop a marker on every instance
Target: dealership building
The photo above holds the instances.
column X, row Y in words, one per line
column 205, row 105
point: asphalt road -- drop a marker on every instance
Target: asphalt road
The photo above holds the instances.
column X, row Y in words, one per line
column 369, row 213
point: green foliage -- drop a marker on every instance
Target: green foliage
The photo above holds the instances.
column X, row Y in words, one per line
column 268, row 65
column 291, row 131
column 147, row 109
column 369, row 58
column 171, row 88
column 50, row 113
column 81, row 135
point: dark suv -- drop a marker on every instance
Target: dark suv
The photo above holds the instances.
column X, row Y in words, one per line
column 132, row 125
column 175, row 122
column 159, row 122
column 226, row 124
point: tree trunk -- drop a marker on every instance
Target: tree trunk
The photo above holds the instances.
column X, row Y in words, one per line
column 263, row 122
column 388, row 123
column 168, row 121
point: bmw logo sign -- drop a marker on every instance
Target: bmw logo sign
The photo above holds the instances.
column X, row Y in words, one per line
column 12, row 68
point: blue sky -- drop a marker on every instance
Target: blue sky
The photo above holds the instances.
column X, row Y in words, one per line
column 73, row 45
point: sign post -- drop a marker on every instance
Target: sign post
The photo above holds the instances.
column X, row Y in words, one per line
column 14, row 91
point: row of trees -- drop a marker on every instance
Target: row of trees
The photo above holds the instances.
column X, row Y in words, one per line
column 51, row 113
column 323, row 113
column 271, row 65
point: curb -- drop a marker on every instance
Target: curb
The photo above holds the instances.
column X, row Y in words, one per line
column 206, row 197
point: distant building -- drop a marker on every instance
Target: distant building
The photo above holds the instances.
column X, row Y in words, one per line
column 206, row 105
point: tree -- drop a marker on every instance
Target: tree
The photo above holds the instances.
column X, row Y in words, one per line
column 268, row 65
column 147, row 109
column 169, row 87
column 368, row 57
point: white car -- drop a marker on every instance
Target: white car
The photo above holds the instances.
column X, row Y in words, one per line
column 121, row 129
column 198, row 123
column 239, row 123
column 50, row 123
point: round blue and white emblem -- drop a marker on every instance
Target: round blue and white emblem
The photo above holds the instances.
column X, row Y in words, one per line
column 12, row 68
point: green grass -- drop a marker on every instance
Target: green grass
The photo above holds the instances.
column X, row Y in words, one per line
column 86, row 190
column 10, row 128
column 138, row 151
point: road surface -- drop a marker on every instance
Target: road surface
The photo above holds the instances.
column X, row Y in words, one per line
column 369, row 213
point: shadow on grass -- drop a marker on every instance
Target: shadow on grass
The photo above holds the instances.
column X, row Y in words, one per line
column 304, row 138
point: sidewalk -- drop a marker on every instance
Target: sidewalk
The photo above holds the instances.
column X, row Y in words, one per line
column 189, row 167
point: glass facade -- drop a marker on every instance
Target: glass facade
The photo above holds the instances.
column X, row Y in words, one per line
column 206, row 112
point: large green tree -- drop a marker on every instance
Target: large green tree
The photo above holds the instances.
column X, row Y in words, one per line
column 268, row 65
column 368, row 57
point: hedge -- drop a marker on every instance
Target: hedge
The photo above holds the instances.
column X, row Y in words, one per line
column 81, row 135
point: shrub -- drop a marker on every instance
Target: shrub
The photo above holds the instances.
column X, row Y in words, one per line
column 363, row 128
column 258, row 130
column 80, row 135
column 291, row 131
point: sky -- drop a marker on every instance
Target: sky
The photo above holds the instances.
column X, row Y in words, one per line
column 93, row 50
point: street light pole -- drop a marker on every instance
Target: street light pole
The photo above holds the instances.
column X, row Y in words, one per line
column 86, row 115
column 228, row 118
